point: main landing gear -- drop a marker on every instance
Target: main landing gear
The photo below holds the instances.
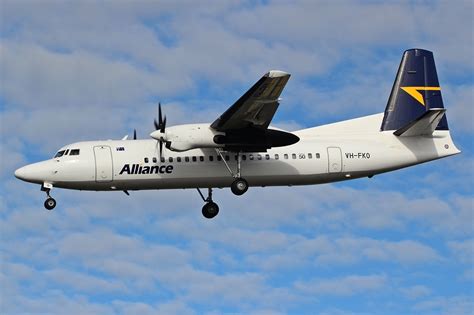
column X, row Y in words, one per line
column 210, row 208
column 50, row 203
column 239, row 186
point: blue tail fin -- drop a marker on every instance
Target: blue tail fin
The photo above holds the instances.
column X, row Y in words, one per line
column 415, row 91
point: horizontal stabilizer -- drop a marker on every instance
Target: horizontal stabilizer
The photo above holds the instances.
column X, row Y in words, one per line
column 424, row 125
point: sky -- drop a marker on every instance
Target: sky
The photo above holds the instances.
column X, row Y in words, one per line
column 399, row 243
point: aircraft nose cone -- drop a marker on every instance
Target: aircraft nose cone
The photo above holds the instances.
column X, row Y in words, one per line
column 21, row 173
column 34, row 173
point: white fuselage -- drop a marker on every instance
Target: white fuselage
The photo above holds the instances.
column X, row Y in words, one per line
column 345, row 150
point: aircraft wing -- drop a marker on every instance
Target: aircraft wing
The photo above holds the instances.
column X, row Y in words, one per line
column 246, row 122
column 257, row 106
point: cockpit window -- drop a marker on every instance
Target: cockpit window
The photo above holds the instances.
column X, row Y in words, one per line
column 74, row 152
column 60, row 153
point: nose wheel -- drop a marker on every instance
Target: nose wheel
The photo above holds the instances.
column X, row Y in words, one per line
column 50, row 203
column 210, row 208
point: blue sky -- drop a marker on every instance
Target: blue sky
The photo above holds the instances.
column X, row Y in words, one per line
column 399, row 243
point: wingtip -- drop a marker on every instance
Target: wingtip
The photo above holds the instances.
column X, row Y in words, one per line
column 277, row 73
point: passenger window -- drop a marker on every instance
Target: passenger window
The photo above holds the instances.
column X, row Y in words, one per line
column 74, row 152
column 186, row 158
column 267, row 156
column 285, row 156
column 60, row 153
column 310, row 156
column 201, row 158
column 178, row 159
column 317, row 155
column 259, row 156
column 293, row 156
column 162, row 159
column 146, row 160
column 170, row 159
column 227, row 158
column 277, row 156
column 219, row 158
column 250, row 156
column 194, row 159
column 154, row 159
column 244, row 157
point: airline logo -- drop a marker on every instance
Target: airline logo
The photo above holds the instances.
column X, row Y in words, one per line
column 139, row 169
column 414, row 91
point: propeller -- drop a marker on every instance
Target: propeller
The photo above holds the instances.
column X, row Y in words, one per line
column 160, row 126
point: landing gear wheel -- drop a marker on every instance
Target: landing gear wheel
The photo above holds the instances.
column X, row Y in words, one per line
column 239, row 186
column 50, row 203
column 210, row 210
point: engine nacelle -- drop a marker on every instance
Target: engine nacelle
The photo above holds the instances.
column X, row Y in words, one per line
column 186, row 137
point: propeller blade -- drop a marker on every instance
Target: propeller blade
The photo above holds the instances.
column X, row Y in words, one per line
column 134, row 134
column 160, row 116
column 163, row 125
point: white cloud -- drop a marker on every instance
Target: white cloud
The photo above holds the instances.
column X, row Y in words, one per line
column 48, row 302
column 416, row 291
column 351, row 250
column 349, row 285
column 461, row 305
column 81, row 282
column 458, row 101
column 132, row 308
column 463, row 250
column 34, row 77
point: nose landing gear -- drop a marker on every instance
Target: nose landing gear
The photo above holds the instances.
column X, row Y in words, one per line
column 50, row 203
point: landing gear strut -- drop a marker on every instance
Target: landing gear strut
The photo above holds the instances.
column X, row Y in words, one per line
column 210, row 208
column 239, row 186
column 50, row 203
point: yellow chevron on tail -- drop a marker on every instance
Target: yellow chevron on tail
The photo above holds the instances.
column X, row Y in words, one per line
column 414, row 91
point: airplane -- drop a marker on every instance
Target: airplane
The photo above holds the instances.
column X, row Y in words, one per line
column 241, row 149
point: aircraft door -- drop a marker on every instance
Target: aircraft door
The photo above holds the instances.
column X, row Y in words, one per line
column 334, row 160
column 103, row 164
